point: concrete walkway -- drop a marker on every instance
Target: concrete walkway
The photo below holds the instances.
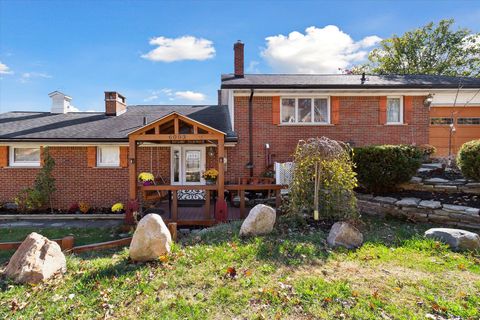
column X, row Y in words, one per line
column 60, row 223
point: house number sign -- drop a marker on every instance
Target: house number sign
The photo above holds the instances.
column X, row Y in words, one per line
column 177, row 137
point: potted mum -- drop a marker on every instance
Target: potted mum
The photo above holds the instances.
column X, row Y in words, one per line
column 146, row 178
column 210, row 176
column 117, row 208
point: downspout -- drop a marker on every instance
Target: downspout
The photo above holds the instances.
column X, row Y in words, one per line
column 250, row 133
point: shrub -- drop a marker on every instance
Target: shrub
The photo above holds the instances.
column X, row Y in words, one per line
column 325, row 165
column 427, row 149
column 383, row 167
column 84, row 207
column 74, row 207
column 117, row 207
column 468, row 159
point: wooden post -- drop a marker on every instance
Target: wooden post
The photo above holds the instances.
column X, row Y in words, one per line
column 132, row 169
column 207, row 204
column 172, row 227
column 67, row 243
column 221, row 167
column 175, row 206
column 242, row 203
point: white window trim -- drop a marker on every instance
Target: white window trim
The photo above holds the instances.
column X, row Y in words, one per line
column 401, row 109
column 107, row 165
column 12, row 163
column 311, row 123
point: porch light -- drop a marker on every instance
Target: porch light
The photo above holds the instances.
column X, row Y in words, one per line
column 267, row 146
column 211, row 153
column 132, row 160
column 428, row 100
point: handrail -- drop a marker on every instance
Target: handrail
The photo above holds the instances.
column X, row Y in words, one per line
column 255, row 186
column 180, row 187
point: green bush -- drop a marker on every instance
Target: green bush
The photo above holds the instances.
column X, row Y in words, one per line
column 468, row 159
column 381, row 168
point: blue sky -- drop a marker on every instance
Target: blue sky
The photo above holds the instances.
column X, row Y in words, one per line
column 84, row 48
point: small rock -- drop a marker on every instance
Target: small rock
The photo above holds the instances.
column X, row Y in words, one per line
column 37, row 259
column 416, row 180
column 408, row 202
column 424, row 170
column 473, row 185
column 260, row 220
column 10, row 206
column 457, row 239
column 431, row 204
column 436, row 181
column 345, row 235
column 435, row 165
column 151, row 239
column 388, row 200
column 453, row 207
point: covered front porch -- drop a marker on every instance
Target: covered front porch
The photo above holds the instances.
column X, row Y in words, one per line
column 182, row 194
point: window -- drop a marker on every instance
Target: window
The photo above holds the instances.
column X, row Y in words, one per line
column 108, row 156
column 441, row 121
column 469, row 121
column 394, row 110
column 24, row 157
column 305, row 110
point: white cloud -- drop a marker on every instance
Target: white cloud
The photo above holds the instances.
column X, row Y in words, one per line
column 4, row 69
column 253, row 67
column 30, row 75
column 182, row 48
column 319, row 50
column 190, row 95
column 172, row 95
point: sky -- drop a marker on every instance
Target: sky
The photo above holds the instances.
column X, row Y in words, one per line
column 173, row 52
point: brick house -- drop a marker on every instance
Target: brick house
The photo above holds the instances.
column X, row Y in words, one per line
column 258, row 121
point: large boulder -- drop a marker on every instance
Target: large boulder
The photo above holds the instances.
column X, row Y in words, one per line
column 36, row 259
column 345, row 235
column 457, row 239
column 151, row 239
column 260, row 220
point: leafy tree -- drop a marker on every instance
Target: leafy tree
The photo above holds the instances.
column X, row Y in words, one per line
column 431, row 49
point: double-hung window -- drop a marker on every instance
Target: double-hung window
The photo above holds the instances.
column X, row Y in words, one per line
column 305, row 110
column 394, row 110
column 24, row 157
column 108, row 156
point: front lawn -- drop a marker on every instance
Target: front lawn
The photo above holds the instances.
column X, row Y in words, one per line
column 288, row 274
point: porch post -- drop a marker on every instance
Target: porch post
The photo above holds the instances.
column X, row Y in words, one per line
column 132, row 169
column 221, row 167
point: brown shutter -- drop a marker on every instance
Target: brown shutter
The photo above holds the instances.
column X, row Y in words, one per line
column 92, row 157
column 3, row 156
column 276, row 110
column 123, row 157
column 382, row 110
column 335, row 109
column 407, row 109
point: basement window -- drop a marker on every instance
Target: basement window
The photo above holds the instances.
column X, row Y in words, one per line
column 441, row 121
column 469, row 121
column 394, row 110
column 305, row 110
column 108, row 156
column 24, row 157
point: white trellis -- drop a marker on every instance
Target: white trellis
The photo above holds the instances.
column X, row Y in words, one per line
column 284, row 173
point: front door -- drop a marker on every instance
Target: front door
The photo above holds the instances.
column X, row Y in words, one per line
column 188, row 164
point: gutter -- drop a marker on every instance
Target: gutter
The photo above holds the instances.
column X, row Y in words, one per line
column 250, row 164
column 312, row 86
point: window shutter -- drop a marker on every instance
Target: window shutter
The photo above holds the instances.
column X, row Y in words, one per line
column 92, row 157
column 382, row 110
column 3, row 156
column 123, row 157
column 276, row 110
column 335, row 109
column 407, row 109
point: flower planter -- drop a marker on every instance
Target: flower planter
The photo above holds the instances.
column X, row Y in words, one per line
column 147, row 183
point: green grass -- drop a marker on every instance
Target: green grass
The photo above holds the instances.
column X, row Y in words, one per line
column 290, row 273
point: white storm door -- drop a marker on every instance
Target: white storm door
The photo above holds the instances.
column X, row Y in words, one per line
column 188, row 164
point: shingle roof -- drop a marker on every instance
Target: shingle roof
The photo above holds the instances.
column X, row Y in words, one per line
column 95, row 126
column 343, row 81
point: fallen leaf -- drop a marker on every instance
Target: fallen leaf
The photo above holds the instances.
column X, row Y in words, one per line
column 231, row 272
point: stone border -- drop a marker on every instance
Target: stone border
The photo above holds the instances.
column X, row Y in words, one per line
column 62, row 216
column 420, row 210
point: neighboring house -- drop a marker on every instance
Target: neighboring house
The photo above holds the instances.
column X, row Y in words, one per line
column 258, row 121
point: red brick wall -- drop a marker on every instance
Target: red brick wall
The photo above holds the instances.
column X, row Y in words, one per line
column 358, row 123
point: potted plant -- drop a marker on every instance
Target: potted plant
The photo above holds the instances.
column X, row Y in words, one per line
column 118, row 208
column 146, row 178
column 210, row 176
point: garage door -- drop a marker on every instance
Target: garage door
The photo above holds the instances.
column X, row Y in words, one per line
column 464, row 120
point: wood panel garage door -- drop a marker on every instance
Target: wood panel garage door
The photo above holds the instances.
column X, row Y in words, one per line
column 465, row 120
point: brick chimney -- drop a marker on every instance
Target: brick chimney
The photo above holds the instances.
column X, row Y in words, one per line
column 238, row 59
column 115, row 103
